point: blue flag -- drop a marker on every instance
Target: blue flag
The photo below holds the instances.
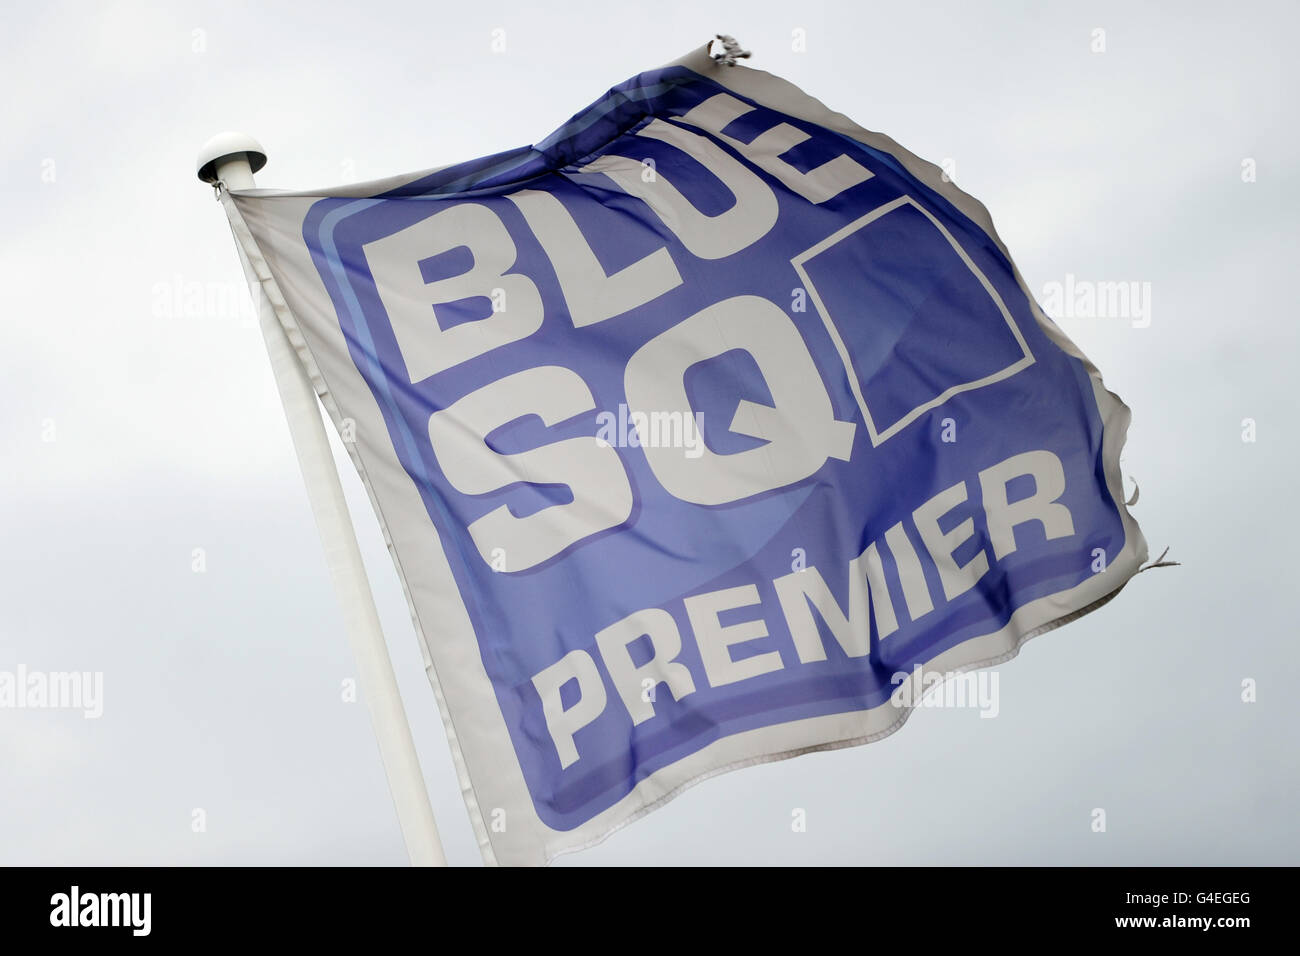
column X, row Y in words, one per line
column 711, row 430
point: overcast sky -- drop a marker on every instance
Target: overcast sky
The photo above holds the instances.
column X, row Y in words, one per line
column 139, row 423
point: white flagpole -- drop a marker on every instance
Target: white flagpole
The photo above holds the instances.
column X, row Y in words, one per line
column 232, row 158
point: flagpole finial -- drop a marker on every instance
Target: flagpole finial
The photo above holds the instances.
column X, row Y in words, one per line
column 731, row 51
column 227, row 153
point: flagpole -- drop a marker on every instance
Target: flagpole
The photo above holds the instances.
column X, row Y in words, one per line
column 232, row 158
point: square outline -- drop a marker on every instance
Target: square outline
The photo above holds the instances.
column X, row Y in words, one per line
column 841, row 234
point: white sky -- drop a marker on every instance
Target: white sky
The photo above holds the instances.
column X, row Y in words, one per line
column 222, row 689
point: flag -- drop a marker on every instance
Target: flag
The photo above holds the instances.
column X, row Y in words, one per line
column 700, row 434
